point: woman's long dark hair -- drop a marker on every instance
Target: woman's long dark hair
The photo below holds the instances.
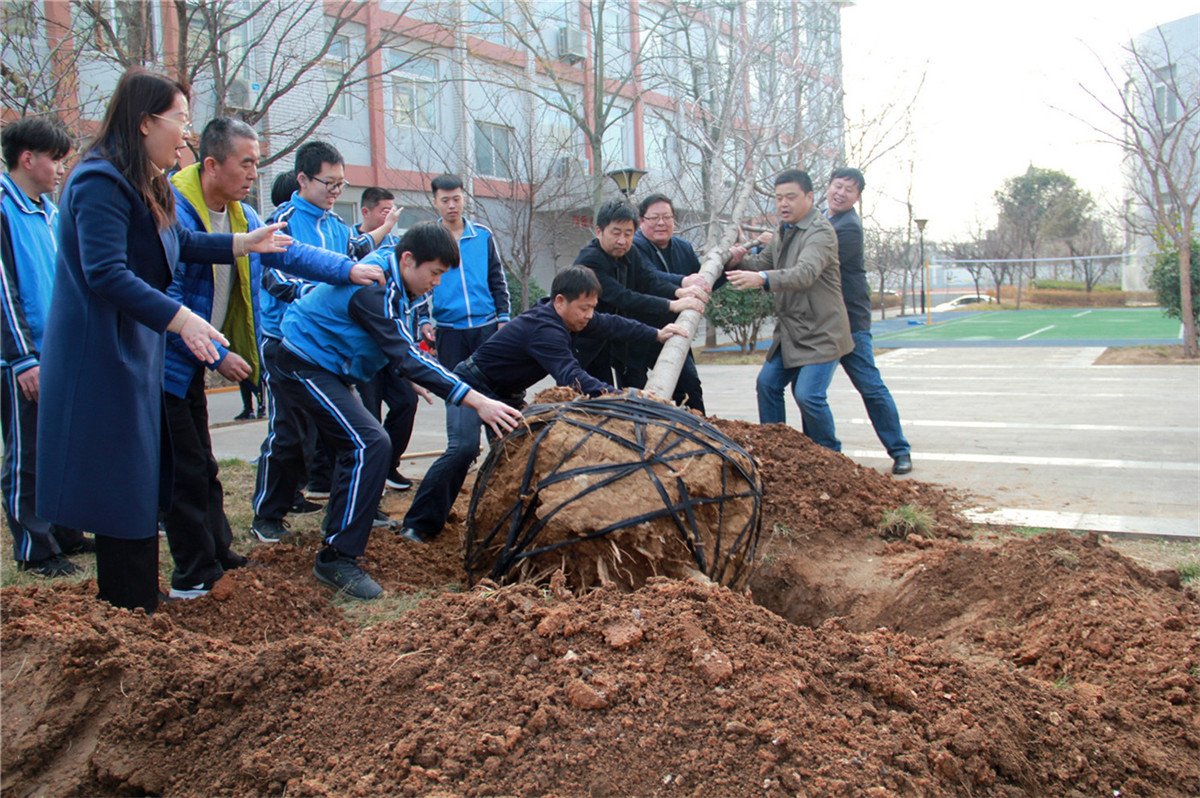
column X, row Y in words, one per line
column 139, row 94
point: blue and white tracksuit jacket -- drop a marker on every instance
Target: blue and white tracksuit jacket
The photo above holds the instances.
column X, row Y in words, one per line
column 310, row 225
column 29, row 250
column 476, row 293
column 354, row 340
column 193, row 287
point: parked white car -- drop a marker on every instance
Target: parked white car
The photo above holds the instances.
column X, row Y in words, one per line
column 964, row 302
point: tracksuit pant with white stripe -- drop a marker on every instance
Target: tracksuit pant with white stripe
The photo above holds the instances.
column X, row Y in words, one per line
column 283, row 462
column 33, row 538
column 360, row 447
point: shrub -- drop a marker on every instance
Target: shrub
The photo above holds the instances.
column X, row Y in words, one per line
column 740, row 313
column 1164, row 279
column 516, row 295
column 1073, row 285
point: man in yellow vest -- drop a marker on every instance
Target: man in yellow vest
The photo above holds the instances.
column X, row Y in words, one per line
column 208, row 197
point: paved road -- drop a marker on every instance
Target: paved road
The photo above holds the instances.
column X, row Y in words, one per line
column 1039, row 436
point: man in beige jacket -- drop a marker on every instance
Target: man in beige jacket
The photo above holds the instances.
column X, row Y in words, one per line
column 812, row 331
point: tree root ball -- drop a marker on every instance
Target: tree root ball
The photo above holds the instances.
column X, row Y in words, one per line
column 614, row 491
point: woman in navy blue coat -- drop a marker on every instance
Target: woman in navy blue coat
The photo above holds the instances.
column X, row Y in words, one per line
column 103, row 465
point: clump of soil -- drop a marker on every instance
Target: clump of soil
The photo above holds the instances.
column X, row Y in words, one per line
column 931, row 666
column 688, row 503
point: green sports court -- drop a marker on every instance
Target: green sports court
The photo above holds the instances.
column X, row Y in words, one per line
column 1070, row 327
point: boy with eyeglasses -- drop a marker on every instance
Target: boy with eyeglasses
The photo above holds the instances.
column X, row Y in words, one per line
column 288, row 457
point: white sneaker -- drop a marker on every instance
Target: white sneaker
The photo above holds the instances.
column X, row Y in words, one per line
column 190, row 593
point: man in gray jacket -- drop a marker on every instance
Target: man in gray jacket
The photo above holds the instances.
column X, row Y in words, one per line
column 812, row 330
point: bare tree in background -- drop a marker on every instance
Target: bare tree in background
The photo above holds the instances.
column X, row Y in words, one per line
column 591, row 80
column 38, row 70
column 1156, row 105
column 754, row 98
column 246, row 58
column 887, row 251
column 1095, row 238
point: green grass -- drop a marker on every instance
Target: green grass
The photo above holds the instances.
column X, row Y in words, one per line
column 1189, row 573
column 900, row 522
column 385, row 608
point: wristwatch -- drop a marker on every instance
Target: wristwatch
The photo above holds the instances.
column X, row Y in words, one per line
column 766, row 281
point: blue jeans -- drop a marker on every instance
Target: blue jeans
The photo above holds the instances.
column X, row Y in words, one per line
column 809, row 384
column 860, row 368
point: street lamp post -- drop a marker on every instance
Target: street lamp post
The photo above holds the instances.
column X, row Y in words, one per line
column 921, row 230
column 626, row 180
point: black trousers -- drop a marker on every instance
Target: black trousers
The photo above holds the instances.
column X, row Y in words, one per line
column 127, row 572
column 356, row 440
column 197, row 530
column 455, row 346
column 390, row 388
column 33, row 538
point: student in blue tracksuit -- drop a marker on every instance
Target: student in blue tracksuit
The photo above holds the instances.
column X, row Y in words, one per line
column 336, row 336
column 33, row 152
column 472, row 303
column 291, row 453
column 209, row 199
column 536, row 343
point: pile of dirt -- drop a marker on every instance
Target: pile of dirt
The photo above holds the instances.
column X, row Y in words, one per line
column 930, row 666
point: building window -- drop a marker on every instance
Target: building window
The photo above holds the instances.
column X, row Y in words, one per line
column 337, row 66
column 492, row 148
column 1166, row 99
column 613, row 149
column 123, row 28
column 414, row 92
column 486, row 20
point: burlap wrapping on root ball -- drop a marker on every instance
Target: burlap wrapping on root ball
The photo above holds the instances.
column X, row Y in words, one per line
column 614, row 490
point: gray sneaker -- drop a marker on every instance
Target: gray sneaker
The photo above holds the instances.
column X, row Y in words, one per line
column 270, row 530
column 344, row 575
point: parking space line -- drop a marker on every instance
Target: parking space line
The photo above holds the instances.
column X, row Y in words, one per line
column 1070, row 462
column 1035, row 332
column 1031, row 426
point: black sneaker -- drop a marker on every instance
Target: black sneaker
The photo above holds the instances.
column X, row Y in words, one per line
column 411, row 535
column 346, row 576
column 199, row 590
column 245, row 415
column 317, row 493
column 303, row 507
column 50, row 567
column 382, row 519
column 397, row 481
column 84, row 546
column 269, row 530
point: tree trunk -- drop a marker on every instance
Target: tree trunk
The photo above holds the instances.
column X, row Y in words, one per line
column 1186, row 300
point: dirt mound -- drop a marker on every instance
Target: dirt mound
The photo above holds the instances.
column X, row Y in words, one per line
column 931, row 666
column 674, row 689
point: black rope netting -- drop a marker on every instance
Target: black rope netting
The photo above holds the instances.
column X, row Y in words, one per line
column 659, row 441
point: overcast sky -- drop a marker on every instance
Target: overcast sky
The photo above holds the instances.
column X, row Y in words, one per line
column 995, row 75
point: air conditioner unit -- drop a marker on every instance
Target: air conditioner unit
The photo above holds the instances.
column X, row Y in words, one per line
column 570, row 45
column 237, row 95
